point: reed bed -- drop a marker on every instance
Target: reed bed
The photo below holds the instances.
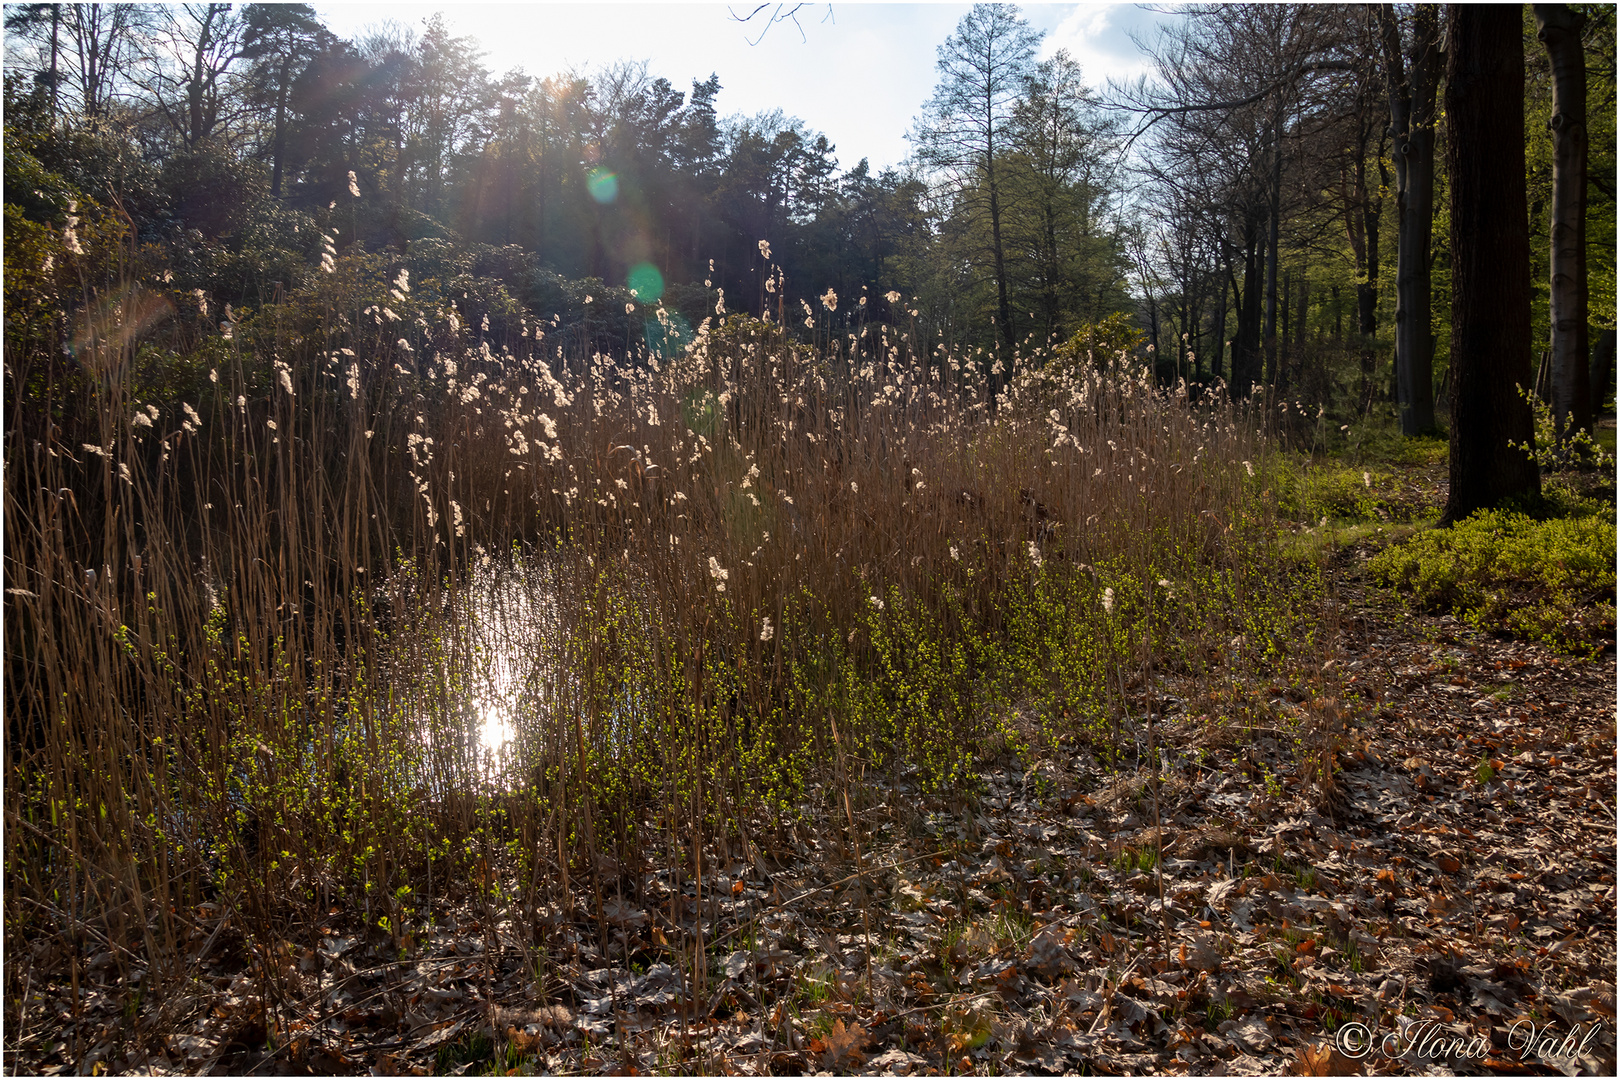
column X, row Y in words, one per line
column 264, row 596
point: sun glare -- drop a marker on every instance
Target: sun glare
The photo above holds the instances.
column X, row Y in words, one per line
column 494, row 729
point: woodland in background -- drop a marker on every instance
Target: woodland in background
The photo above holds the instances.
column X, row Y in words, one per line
column 229, row 136
column 1286, row 173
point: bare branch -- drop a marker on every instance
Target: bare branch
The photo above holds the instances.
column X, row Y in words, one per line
column 783, row 13
column 1159, row 112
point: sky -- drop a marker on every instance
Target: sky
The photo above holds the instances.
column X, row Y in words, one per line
column 858, row 72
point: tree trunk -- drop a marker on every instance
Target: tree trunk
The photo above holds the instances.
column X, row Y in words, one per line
column 1302, row 318
column 1246, row 349
column 1413, row 336
column 1361, row 213
column 1413, row 82
column 1052, row 257
column 1285, row 340
column 1153, row 333
column 1490, row 261
column 1003, row 308
column 1367, row 310
column 1220, row 326
column 196, row 115
column 1602, row 369
column 1559, row 29
column 280, row 151
column 1192, row 314
column 1367, row 290
column 56, row 75
column 1271, row 255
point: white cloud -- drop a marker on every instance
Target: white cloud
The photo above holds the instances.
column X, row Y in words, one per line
column 1098, row 36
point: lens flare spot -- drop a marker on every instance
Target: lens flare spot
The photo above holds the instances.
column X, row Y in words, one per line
column 669, row 337
column 603, row 185
column 111, row 326
column 648, row 283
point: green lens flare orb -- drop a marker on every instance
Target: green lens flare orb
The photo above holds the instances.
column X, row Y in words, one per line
column 603, row 185
column 648, row 283
column 668, row 337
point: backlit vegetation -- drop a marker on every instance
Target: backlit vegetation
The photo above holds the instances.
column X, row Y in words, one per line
column 267, row 589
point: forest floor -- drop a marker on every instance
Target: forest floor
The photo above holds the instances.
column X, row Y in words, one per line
column 1441, row 900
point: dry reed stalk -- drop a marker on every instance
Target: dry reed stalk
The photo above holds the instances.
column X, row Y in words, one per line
column 253, row 622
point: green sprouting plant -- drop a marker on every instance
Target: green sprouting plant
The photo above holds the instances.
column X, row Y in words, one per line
column 814, row 986
column 1140, row 859
column 1273, row 783
column 1011, row 925
column 1577, row 449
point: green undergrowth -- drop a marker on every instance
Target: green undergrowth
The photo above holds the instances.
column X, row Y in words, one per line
column 1377, row 440
column 1055, row 653
column 1605, row 438
column 1549, row 580
column 1337, row 492
column 926, row 684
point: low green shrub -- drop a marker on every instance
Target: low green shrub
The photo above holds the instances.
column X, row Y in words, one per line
column 1377, row 438
column 1342, row 494
column 1550, row 581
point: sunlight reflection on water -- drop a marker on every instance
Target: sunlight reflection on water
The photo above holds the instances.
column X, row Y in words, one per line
column 500, row 683
column 500, row 670
column 495, row 730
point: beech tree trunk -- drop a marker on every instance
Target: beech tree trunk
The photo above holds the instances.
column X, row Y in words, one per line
column 1490, row 261
column 1413, row 82
column 1559, row 29
column 1602, row 369
column 1367, row 312
column 1363, row 208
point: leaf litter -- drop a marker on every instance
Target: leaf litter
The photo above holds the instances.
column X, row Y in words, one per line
column 1417, row 837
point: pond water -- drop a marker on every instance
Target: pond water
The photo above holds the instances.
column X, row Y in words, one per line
column 482, row 689
column 499, row 673
column 507, row 694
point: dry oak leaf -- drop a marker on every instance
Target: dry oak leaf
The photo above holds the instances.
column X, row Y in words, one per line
column 1047, row 954
column 841, row 1049
column 1200, row 951
column 1252, row 1033
column 1324, row 1060
column 390, row 1065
